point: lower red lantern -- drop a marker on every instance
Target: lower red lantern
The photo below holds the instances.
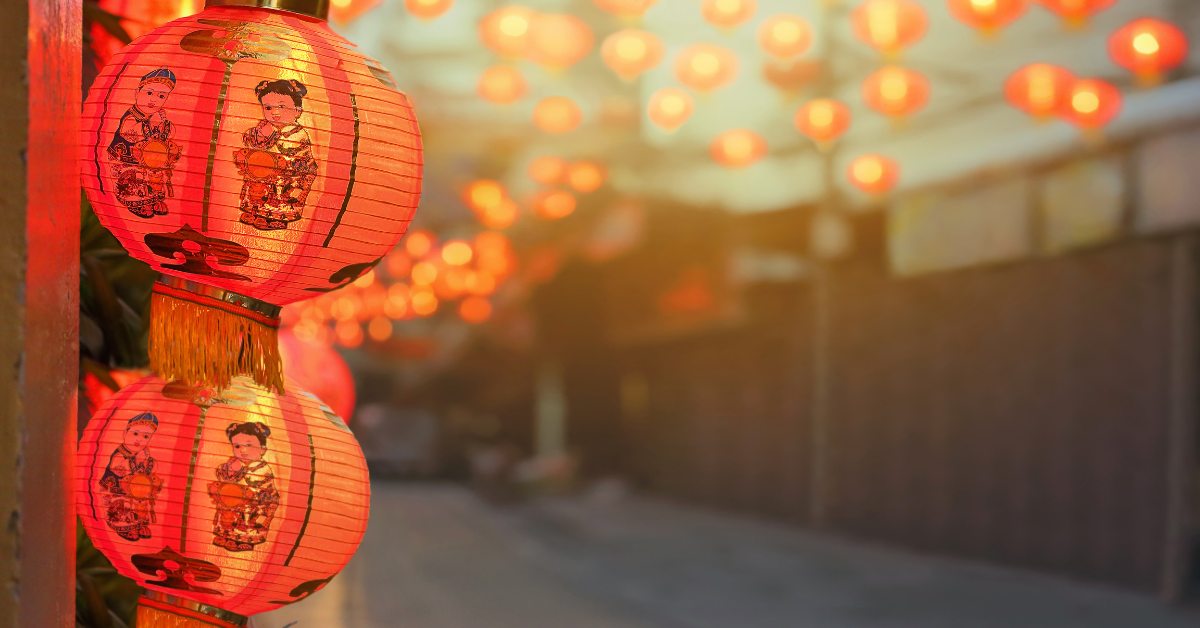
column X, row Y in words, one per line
column 317, row 367
column 221, row 504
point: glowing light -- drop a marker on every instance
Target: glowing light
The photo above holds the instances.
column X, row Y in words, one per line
column 500, row 216
column 418, row 243
column 506, row 30
column 630, row 52
column 704, row 67
column 625, row 8
column 823, row 119
column 484, row 194
column 873, row 174
column 475, row 309
column 480, row 282
column 398, row 264
column 554, row 204
column 738, row 148
column 548, row 169
column 669, row 108
column 1145, row 44
column 890, row 25
column 728, row 13
column 557, row 115
column 457, row 253
column 895, row 91
column 1039, row 89
column 501, row 84
column 349, row 334
column 559, row 40
column 424, row 303
column 1149, row 48
column 427, row 9
column 785, row 36
column 424, row 273
column 380, row 328
column 585, row 176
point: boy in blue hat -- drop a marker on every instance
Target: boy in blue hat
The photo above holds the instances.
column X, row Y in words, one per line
column 129, row 482
column 141, row 150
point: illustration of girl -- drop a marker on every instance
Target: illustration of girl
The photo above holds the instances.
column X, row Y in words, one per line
column 244, row 493
column 276, row 163
column 129, row 483
column 141, row 150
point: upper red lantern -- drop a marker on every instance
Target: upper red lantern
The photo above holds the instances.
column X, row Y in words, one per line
column 896, row 92
column 1148, row 48
column 1039, row 89
column 1076, row 12
column 242, row 500
column 257, row 154
column 1092, row 104
column 890, row 26
column 988, row 15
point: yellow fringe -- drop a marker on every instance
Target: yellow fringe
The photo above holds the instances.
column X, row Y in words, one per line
column 150, row 617
column 207, row 346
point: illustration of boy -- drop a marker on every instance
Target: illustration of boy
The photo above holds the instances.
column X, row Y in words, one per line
column 129, row 483
column 141, row 150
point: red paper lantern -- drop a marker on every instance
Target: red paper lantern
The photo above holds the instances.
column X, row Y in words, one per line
column 669, row 108
column 501, row 84
column 1039, row 89
column 988, row 15
column 1092, row 104
column 823, row 119
column 889, row 26
column 557, row 115
column 896, row 92
column 316, row 367
column 1149, row 48
column 241, row 500
column 559, row 40
column 873, row 174
column 704, row 67
column 1076, row 12
column 785, row 36
column 255, row 158
column 737, row 148
column 728, row 13
column 506, row 30
column 630, row 52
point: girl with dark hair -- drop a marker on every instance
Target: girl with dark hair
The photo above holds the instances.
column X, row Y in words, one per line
column 276, row 161
column 244, row 493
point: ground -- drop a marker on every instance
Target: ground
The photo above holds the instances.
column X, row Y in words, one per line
column 437, row 557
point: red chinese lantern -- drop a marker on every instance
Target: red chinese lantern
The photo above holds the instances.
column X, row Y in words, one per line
column 889, row 26
column 426, row 10
column 728, row 13
column 785, row 36
column 1092, row 104
column 704, row 67
column 559, row 40
column 669, row 108
column 1149, row 48
column 586, row 176
column 506, row 30
column 873, row 174
column 1039, row 89
column 316, row 367
column 626, row 8
column 501, row 84
column 557, row 115
column 737, row 148
column 823, row 119
column 630, row 52
column 1076, row 12
column 988, row 16
column 896, row 92
column 220, row 503
column 254, row 158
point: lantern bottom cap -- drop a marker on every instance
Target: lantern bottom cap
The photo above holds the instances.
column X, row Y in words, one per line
column 162, row 610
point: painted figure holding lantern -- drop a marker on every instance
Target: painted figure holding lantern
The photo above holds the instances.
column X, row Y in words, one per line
column 141, row 150
column 129, row 483
column 277, row 163
column 244, row 493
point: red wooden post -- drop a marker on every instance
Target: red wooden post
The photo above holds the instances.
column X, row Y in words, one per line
column 39, row 309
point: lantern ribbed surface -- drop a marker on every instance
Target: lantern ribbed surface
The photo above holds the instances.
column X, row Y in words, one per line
column 242, row 499
column 252, row 150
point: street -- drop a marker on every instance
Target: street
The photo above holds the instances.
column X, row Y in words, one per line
column 437, row 557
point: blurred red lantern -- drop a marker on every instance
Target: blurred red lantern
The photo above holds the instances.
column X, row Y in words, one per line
column 483, row 194
column 559, row 40
column 988, row 15
column 1092, row 104
column 785, row 36
column 501, row 84
column 889, row 26
column 630, row 52
column 873, row 174
column 554, row 204
column 140, row 16
column 737, row 148
column 506, row 30
column 791, row 76
column 896, row 92
column 475, row 310
column 419, row 243
column 319, row 369
column 728, row 13
column 457, row 253
column 499, row 216
column 586, row 176
column 428, row 9
column 557, row 115
column 1149, row 48
column 242, row 499
column 823, row 119
column 1039, row 89
column 1076, row 12
column 548, row 169
column 669, row 108
column 224, row 150
column 626, row 8
column 704, row 67
column 344, row 11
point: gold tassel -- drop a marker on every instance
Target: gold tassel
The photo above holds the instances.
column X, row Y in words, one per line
column 208, row 346
column 164, row 616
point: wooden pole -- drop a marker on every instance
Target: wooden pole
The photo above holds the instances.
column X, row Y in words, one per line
column 40, row 59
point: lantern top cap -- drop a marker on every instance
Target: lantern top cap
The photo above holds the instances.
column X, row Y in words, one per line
column 312, row 8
